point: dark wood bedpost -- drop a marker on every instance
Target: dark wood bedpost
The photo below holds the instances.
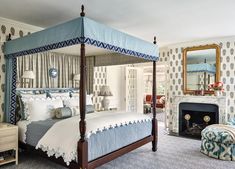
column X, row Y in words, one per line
column 154, row 120
column 82, row 143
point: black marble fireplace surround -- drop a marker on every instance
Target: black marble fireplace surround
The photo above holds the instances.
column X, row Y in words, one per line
column 197, row 111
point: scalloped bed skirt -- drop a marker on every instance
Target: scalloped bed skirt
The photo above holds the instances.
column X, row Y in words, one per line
column 100, row 143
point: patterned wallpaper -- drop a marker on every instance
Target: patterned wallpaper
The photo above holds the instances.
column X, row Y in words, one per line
column 175, row 74
column 100, row 78
column 16, row 32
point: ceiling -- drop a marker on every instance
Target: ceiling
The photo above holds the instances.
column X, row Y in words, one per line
column 170, row 20
column 75, row 50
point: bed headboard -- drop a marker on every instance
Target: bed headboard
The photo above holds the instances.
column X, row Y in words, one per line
column 36, row 91
column 44, row 90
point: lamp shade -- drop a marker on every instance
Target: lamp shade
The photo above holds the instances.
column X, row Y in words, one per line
column 105, row 91
column 76, row 77
column 28, row 74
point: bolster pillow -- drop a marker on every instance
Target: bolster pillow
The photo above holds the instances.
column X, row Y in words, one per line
column 63, row 112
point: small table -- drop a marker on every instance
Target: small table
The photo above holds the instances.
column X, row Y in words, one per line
column 147, row 108
column 9, row 141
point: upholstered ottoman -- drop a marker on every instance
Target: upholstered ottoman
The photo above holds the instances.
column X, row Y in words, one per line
column 218, row 141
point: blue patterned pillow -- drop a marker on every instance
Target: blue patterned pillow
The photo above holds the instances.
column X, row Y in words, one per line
column 231, row 122
column 90, row 109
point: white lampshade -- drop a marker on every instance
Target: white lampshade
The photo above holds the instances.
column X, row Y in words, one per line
column 76, row 77
column 105, row 91
column 28, row 74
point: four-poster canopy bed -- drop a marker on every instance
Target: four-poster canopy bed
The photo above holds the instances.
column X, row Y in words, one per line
column 81, row 31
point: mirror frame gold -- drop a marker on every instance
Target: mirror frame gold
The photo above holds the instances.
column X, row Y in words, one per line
column 194, row 48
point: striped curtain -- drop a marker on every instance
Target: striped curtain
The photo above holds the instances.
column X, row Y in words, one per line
column 67, row 66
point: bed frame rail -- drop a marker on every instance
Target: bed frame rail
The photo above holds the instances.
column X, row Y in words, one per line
column 111, row 156
column 94, row 163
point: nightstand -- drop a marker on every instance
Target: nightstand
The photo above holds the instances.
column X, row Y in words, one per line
column 147, row 108
column 9, row 141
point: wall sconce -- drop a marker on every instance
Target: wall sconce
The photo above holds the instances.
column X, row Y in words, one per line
column 76, row 79
column 28, row 75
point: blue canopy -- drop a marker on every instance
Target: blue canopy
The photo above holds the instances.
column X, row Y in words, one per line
column 202, row 67
column 77, row 31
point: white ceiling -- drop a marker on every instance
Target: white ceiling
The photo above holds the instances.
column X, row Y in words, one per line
column 172, row 21
column 75, row 50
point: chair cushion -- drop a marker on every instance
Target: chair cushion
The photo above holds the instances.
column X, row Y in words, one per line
column 217, row 135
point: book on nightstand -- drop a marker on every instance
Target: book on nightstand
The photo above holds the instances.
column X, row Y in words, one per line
column 1, row 159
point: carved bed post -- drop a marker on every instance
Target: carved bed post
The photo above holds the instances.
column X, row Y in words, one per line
column 154, row 120
column 82, row 143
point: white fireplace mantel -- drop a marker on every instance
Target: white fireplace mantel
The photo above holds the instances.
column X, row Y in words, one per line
column 220, row 101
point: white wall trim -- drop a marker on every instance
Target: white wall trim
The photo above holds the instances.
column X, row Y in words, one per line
column 199, row 42
column 20, row 25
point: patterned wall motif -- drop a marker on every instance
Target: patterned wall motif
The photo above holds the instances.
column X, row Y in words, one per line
column 176, row 73
column 16, row 32
column 100, row 78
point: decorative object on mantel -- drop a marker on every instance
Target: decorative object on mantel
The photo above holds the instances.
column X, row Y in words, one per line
column 199, row 92
column 217, row 87
column 53, row 72
column 105, row 91
column 28, row 75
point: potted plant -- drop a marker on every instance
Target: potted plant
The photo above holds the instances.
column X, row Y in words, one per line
column 217, row 87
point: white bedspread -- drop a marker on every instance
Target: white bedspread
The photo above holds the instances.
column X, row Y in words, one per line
column 22, row 125
column 61, row 139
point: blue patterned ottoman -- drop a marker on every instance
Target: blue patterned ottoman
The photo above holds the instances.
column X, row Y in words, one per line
column 218, row 142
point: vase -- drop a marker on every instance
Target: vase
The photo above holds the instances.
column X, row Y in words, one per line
column 218, row 93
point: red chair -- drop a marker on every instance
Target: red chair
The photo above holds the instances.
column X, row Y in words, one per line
column 148, row 100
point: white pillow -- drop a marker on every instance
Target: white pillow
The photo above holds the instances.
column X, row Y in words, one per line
column 26, row 98
column 72, row 103
column 32, row 96
column 75, row 111
column 43, row 109
column 60, row 95
column 75, row 94
column 89, row 99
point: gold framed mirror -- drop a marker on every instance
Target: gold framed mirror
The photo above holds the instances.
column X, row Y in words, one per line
column 201, row 67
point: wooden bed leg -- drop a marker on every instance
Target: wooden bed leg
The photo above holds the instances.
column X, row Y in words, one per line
column 82, row 147
column 154, row 120
column 155, row 135
column 82, row 154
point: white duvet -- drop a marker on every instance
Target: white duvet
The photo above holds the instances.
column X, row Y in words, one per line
column 61, row 139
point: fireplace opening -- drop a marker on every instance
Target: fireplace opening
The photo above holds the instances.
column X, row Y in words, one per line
column 194, row 117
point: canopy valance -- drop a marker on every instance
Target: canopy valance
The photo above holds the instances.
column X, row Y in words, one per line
column 77, row 31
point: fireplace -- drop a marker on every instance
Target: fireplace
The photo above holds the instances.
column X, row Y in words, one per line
column 194, row 117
